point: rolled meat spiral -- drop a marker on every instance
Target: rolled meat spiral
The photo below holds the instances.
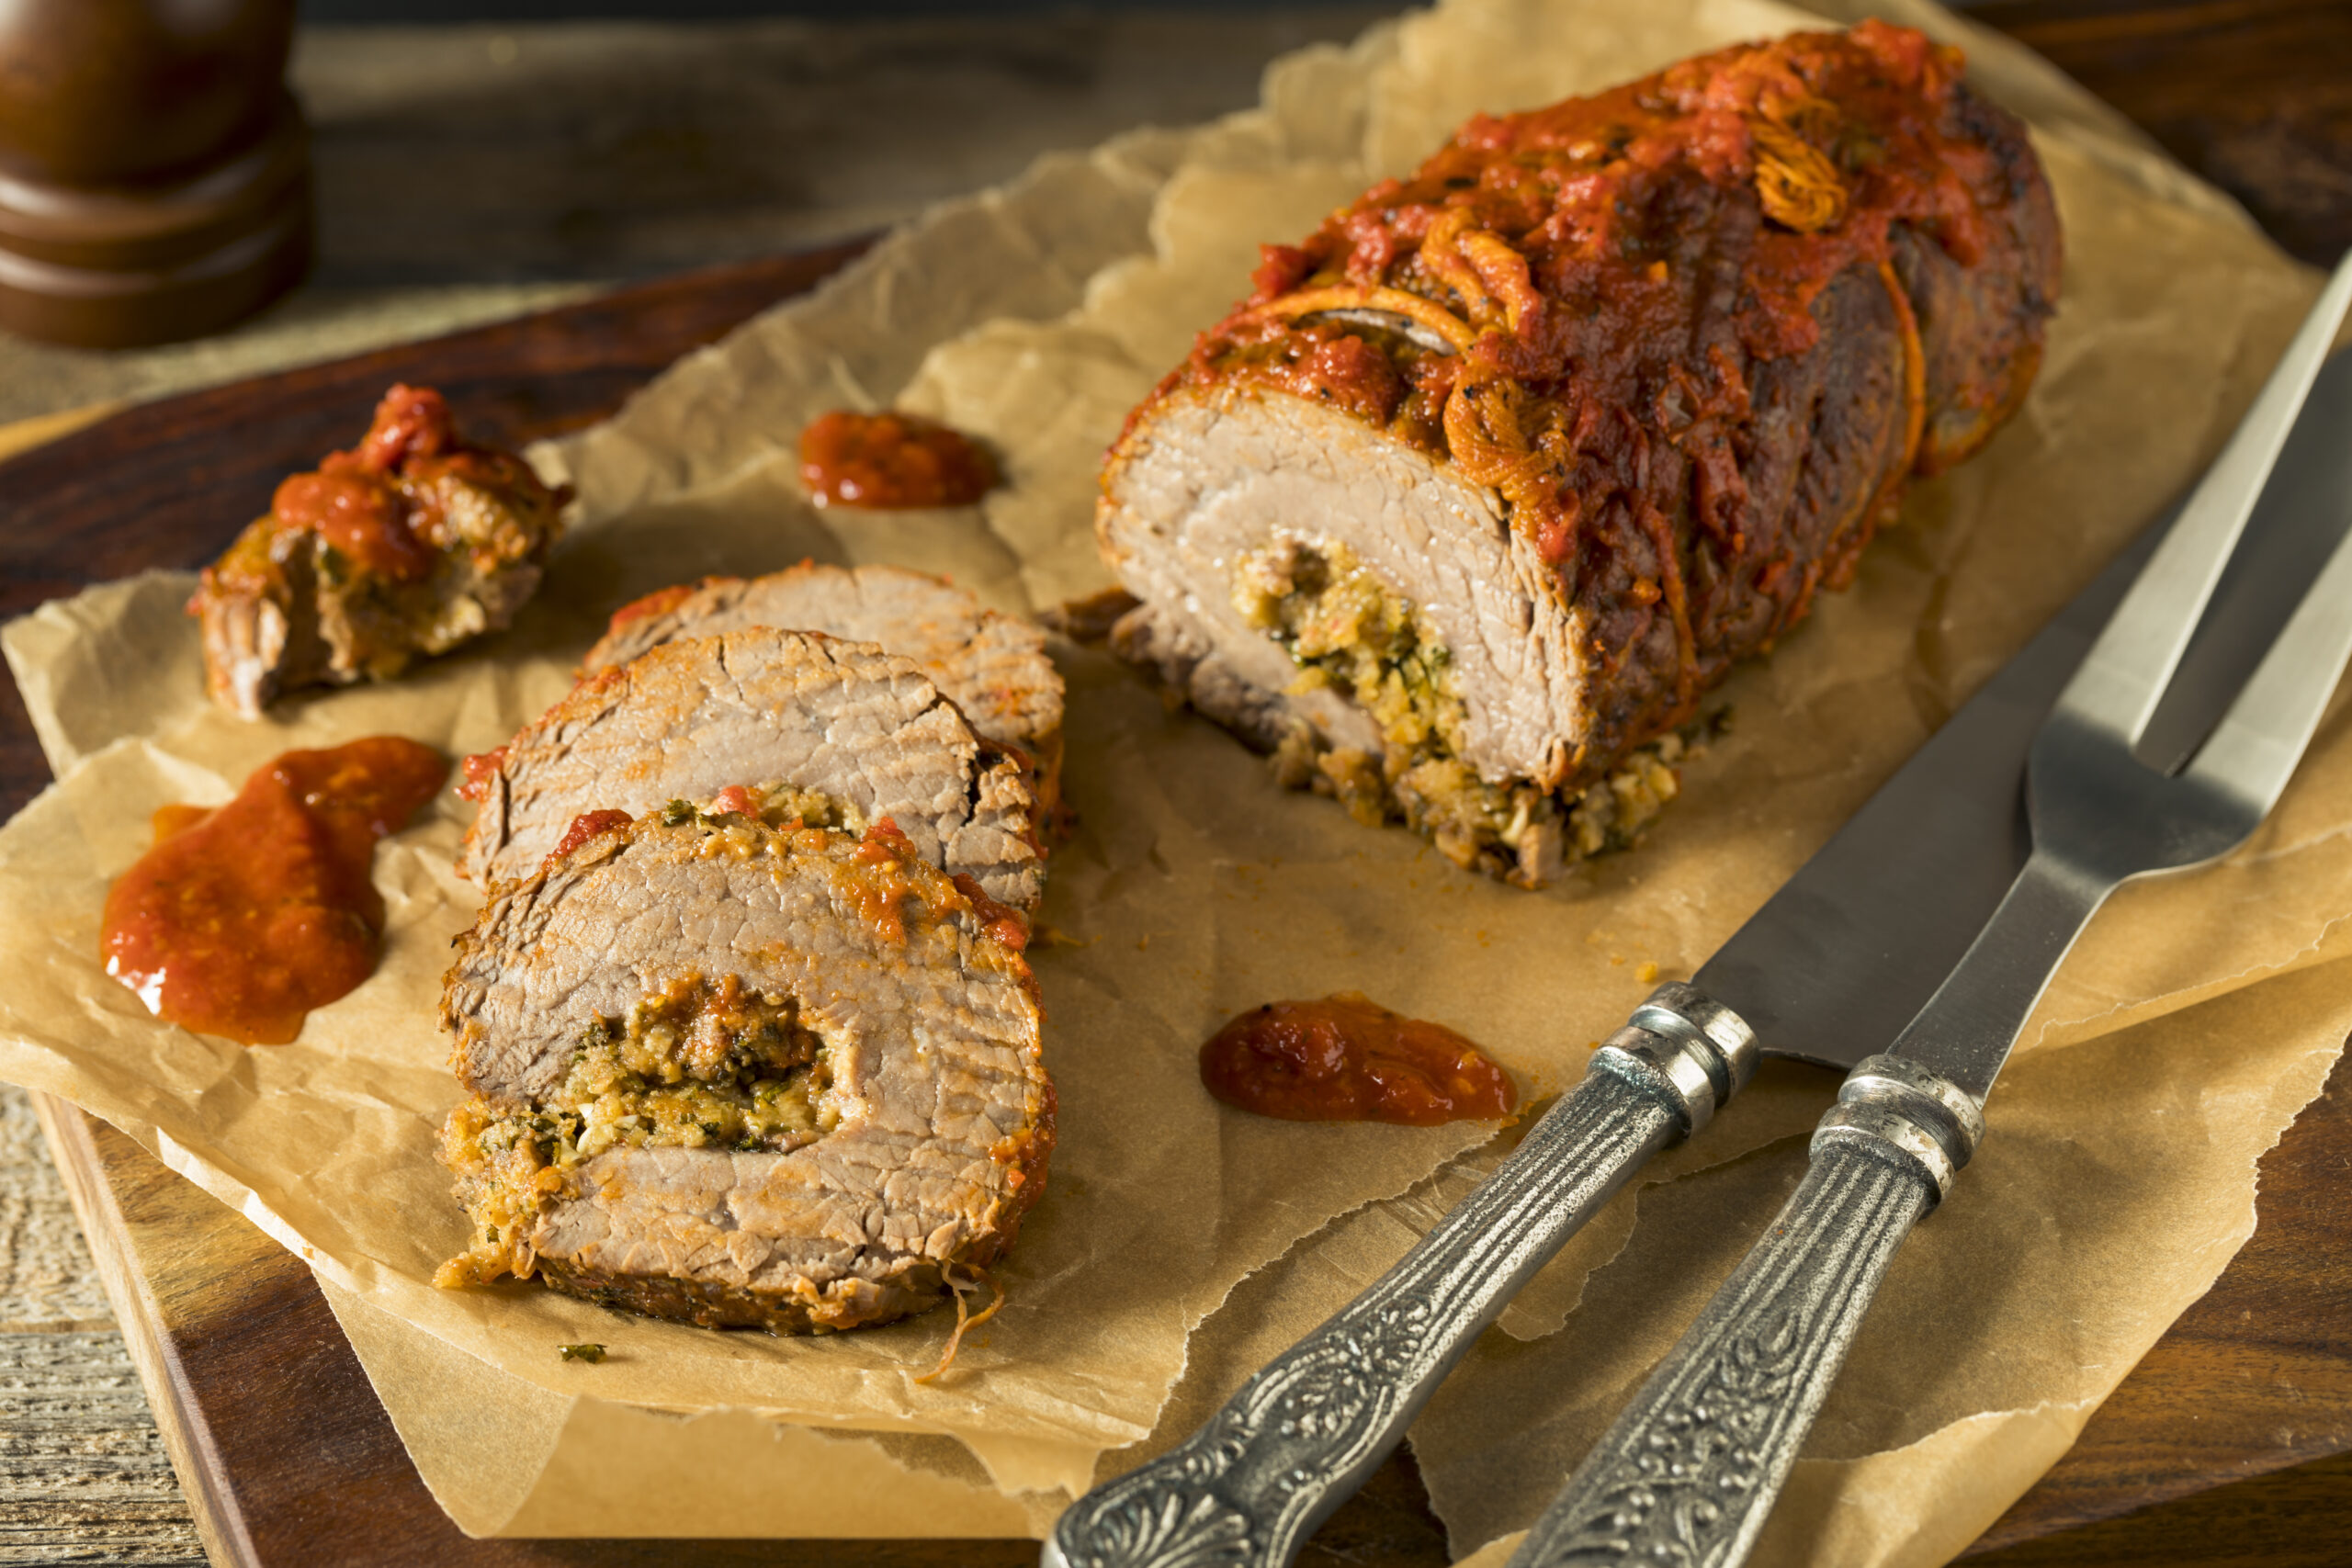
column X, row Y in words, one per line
column 735, row 1072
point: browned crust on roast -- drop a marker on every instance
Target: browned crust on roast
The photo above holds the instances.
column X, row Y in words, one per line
column 1981, row 328
column 1825, row 451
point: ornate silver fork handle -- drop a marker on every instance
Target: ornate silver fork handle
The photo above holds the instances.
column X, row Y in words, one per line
column 1689, row 1471
column 1307, row 1428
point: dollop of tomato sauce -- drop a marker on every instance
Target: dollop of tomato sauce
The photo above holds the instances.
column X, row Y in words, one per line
column 352, row 501
column 241, row 920
column 1346, row 1058
column 376, row 505
column 585, row 827
column 890, row 461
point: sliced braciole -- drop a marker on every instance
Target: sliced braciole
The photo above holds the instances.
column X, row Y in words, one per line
column 993, row 665
column 740, row 1075
column 1465, row 508
column 410, row 544
column 858, row 734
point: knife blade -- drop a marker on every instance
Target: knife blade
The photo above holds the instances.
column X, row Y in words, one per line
column 1826, row 971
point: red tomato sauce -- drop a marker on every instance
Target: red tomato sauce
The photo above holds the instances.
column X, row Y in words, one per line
column 1002, row 921
column 478, row 770
column 889, row 461
column 241, row 920
column 585, row 827
column 376, row 502
column 1345, row 1058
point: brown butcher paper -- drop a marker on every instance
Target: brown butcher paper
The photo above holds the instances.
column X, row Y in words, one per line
column 2195, row 1020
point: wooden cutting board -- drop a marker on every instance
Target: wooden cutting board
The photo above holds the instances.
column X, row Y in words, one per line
column 2230, row 1443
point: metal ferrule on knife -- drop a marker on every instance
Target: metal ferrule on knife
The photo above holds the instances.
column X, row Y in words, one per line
column 1685, row 1047
column 1899, row 1109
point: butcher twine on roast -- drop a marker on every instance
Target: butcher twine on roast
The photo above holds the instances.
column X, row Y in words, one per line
column 1496, row 473
column 864, row 734
column 992, row 665
column 740, row 1075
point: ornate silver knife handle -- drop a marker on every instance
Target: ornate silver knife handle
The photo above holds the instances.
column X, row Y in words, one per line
column 1307, row 1428
column 1689, row 1472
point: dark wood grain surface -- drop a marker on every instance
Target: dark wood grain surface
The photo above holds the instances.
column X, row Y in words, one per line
column 2254, row 95
column 2229, row 1444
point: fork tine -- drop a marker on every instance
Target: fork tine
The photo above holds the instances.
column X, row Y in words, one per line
column 2262, row 736
column 2125, row 673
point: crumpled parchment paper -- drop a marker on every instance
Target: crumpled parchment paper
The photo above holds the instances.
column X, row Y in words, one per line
column 2116, row 1180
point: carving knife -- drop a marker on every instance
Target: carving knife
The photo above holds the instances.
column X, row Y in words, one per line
column 1827, row 971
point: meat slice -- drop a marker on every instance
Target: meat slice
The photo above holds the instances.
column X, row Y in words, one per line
column 1495, row 474
column 992, row 665
column 740, row 1074
column 862, row 735
column 413, row 542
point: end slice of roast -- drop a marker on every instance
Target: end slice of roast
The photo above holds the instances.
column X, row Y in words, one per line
column 737, row 1075
column 866, row 730
column 402, row 549
column 993, row 665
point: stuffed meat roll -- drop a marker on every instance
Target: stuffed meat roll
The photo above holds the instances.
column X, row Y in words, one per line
column 1499, row 471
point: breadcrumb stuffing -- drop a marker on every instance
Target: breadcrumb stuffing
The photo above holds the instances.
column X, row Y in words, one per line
column 1349, row 632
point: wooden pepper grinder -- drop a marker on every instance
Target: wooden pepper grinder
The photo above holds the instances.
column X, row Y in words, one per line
column 154, row 171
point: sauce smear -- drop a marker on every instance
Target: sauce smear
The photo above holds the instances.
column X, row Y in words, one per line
column 374, row 503
column 241, row 920
column 1346, row 1058
column 890, row 461
column 585, row 827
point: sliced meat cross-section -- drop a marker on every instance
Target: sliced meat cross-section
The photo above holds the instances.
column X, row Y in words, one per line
column 864, row 734
column 992, row 665
column 740, row 1074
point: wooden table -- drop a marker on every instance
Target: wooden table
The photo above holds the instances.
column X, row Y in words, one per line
column 2232, row 1442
